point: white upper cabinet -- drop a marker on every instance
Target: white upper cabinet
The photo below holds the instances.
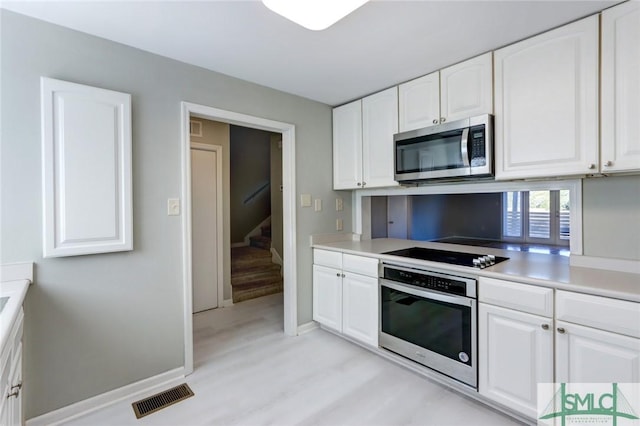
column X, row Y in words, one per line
column 347, row 146
column 459, row 91
column 363, row 141
column 86, row 143
column 620, row 88
column 466, row 89
column 420, row 102
column 546, row 95
column 379, row 124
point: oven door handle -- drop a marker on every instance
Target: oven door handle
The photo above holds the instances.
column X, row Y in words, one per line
column 427, row 294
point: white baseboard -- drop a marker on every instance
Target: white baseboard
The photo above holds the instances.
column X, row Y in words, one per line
column 305, row 328
column 97, row 402
column 620, row 265
column 227, row 302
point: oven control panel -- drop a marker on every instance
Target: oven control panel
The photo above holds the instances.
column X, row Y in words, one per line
column 432, row 281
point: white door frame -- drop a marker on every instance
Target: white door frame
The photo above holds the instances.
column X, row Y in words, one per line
column 219, row 213
column 289, row 212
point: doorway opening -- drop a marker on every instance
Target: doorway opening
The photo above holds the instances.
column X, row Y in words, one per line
column 287, row 131
column 255, row 212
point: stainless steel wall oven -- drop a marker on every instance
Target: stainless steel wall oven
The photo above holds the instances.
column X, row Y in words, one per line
column 430, row 317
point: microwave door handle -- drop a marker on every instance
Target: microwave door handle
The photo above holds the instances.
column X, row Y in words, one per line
column 464, row 147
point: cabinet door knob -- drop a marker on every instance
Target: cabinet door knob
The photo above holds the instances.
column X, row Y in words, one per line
column 608, row 164
column 592, row 166
column 545, row 326
column 338, row 274
column 435, row 121
column 343, row 275
column 359, row 184
column 442, row 120
column 561, row 330
column 364, row 183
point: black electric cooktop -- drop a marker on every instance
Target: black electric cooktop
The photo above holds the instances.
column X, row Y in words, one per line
column 451, row 257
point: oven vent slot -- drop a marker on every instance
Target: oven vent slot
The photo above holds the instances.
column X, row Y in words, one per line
column 150, row 405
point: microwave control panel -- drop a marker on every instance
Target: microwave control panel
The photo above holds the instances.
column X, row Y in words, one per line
column 478, row 143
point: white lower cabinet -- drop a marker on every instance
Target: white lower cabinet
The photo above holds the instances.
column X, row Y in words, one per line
column 360, row 308
column 11, row 377
column 515, row 354
column 588, row 355
column 327, row 296
column 515, row 346
column 345, row 294
column 597, row 340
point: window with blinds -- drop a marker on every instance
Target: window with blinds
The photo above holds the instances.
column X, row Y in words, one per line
column 541, row 217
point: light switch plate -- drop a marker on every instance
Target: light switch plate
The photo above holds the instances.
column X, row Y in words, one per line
column 173, row 207
column 317, row 204
column 338, row 224
column 339, row 204
column 305, row 200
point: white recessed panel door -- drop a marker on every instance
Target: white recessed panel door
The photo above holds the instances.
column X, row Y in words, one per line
column 204, row 210
column 86, row 142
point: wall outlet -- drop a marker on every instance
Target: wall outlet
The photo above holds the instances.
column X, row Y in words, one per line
column 317, row 204
column 173, row 207
column 305, row 200
column 338, row 224
column 339, row 204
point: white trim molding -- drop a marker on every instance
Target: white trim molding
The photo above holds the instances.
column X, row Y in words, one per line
column 84, row 407
column 287, row 130
column 306, row 328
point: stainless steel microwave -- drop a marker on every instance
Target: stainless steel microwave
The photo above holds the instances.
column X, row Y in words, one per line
column 459, row 149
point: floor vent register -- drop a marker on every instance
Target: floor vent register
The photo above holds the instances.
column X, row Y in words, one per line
column 161, row 400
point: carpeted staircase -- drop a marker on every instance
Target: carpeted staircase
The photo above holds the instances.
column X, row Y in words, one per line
column 252, row 272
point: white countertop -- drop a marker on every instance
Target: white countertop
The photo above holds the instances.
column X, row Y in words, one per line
column 16, row 291
column 530, row 268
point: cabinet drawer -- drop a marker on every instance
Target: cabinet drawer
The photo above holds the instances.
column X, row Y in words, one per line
column 618, row 316
column 360, row 265
column 521, row 297
column 332, row 259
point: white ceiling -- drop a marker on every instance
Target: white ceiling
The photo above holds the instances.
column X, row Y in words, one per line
column 383, row 43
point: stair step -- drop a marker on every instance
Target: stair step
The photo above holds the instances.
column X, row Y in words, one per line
column 266, row 231
column 256, row 281
column 253, row 268
column 260, row 241
column 253, row 274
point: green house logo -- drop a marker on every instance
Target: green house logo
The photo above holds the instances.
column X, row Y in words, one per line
column 595, row 407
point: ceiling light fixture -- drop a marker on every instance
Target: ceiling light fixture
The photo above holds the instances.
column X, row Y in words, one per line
column 314, row 14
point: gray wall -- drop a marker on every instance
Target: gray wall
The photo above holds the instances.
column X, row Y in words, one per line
column 250, row 171
column 98, row 322
column 611, row 217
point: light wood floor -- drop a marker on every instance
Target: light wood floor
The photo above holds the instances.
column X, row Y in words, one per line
column 247, row 372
